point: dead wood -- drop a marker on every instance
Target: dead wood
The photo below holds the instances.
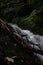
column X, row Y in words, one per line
column 19, row 39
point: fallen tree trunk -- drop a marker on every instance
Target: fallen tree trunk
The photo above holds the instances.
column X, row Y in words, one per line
column 20, row 39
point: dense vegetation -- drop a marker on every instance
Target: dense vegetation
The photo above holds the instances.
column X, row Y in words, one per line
column 28, row 14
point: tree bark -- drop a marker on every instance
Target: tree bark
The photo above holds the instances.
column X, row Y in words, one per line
column 19, row 39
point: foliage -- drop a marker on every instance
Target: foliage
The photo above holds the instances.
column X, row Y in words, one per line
column 28, row 14
column 34, row 21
